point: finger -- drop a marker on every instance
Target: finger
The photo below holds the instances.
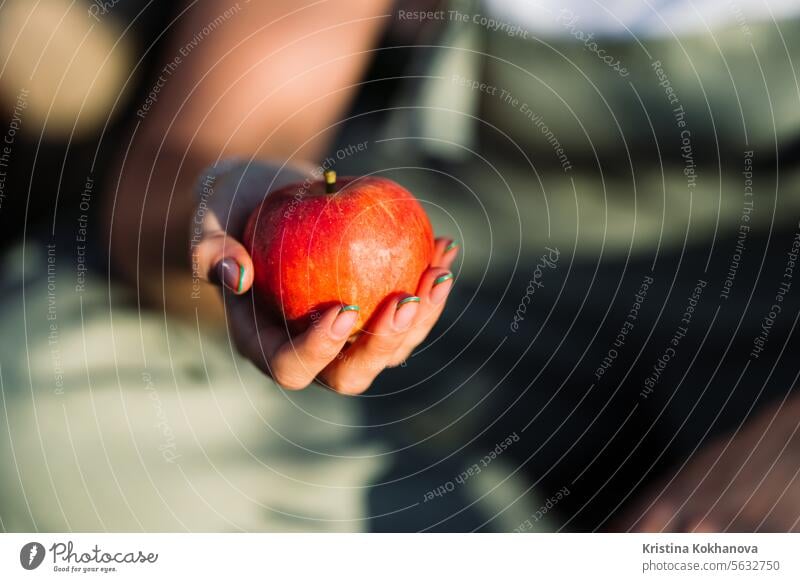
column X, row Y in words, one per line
column 355, row 369
column 434, row 288
column 223, row 260
column 296, row 363
column 445, row 251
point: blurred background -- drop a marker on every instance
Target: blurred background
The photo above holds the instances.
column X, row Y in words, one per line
column 619, row 348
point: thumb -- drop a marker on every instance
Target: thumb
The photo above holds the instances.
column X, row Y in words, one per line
column 223, row 260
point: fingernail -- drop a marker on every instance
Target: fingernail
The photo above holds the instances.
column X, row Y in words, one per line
column 451, row 246
column 344, row 322
column 230, row 274
column 441, row 287
column 406, row 310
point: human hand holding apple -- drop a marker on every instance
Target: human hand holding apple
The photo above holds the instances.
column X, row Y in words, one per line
column 336, row 268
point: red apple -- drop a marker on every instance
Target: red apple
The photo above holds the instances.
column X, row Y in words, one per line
column 358, row 241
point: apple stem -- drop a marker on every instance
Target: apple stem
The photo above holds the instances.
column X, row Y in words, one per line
column 330, row 181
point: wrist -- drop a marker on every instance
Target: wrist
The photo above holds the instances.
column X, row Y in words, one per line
column 232, row 188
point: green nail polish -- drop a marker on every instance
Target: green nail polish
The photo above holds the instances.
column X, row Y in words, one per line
column 450, row 247
column 412, row 299
column 442, row 279
column 349, row 308
column 241, row 279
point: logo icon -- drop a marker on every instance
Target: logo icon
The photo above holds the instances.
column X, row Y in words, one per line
column 31, row 555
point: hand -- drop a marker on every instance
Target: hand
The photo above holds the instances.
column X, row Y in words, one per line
column 322, row 352
column 747, row 482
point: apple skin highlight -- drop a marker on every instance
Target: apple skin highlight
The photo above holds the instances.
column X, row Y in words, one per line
column 355, row 241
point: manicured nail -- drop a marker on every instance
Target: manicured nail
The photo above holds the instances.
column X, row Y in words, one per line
column 411, row 299
column 406, row 310
column 442, row 278
column 241, row 279
column 441, row 287
column 230, row 274
column 344, row 322
column 450, row 247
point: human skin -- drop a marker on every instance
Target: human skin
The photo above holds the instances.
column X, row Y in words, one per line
column 359, row 241
column 252, row 88
column 268, row 86
column 270, row 83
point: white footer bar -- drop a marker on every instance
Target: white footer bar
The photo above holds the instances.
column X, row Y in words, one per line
column 401, row 557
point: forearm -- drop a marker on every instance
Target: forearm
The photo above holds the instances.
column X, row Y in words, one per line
column 249, row 89
column 148, row 211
